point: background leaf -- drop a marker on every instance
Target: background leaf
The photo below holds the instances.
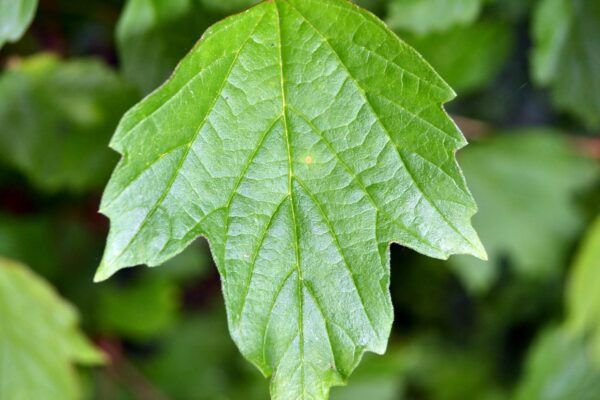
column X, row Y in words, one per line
column 153, row 35
column 39, row 339
column 566, row 55
column 583, row 298
column 532, row 221
column 466, row 68
column 15, row 17
column 214, row 371
column 142, row 308
column 59, row 142
column 139, row 311
column 443, row 370
column 559, row 368
column 427, row 16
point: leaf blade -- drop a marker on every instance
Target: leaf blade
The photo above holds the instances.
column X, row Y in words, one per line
column 38, row 350
column 583, row 302
column 266, row 165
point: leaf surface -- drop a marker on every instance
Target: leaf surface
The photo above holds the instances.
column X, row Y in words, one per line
column 39, row 339
column 566, row 55
column 15, row 17
column 301, row 138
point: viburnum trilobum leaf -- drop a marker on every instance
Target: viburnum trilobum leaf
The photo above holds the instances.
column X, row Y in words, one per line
column 301, row 137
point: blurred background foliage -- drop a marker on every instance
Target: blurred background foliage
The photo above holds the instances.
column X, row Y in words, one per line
column 525, row 325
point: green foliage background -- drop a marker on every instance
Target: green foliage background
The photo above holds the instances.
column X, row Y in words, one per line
column 524, row 325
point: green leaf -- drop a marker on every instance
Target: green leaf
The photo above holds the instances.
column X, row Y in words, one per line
column 583, row 296
column 15, row 17
column 466, row 67
column 39, row 339
column 525, row 183
column 566, row 55
column 427, row 16
column 559, row 368
column 300, row 137
column 56, row 118
column 153, row 35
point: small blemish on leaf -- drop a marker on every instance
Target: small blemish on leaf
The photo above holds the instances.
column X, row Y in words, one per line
column 308, row 160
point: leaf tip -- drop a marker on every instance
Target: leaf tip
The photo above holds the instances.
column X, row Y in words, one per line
column 99, row 277
column 103, row 273
column 479, row 250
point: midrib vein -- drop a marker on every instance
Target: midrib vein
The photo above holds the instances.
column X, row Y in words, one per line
column 292, row 205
